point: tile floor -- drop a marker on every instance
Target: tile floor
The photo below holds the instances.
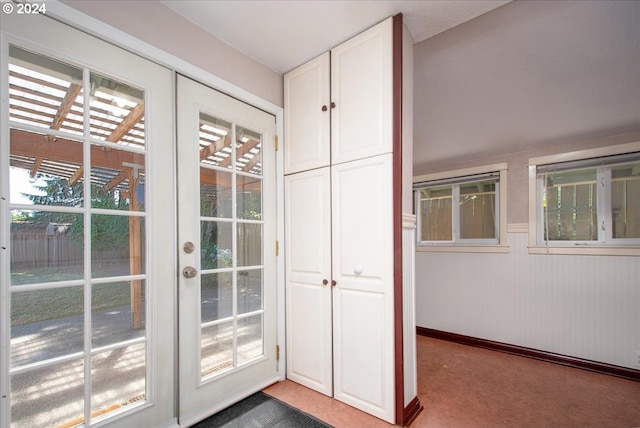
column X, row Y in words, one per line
column 462, row 386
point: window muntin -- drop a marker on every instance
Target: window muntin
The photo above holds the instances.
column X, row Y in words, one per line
column 590, row 206
column 463, row 210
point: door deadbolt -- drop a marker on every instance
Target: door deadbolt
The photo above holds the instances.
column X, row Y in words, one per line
column 188, row 247
column 189, row 272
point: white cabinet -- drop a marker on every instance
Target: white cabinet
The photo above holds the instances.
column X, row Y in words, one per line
column 362, row 268
column 339, row 223
column 306, row 116
column 308, row 275
column 361, row 93
column 349, row 119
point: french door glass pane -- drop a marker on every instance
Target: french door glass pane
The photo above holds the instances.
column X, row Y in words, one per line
column 250, row 343
column 216, row 197
column 216, row 244
column 117, row 244
column 249, row 291
column 46, row 246
column 215, row 141
column 249, row 197
column 119, row 379
column 46, row 324
column 45, row 93
column 216, row 349
column 216, row 295
column 51, row 396
column 117, row 112
column 117, row 312
column 43, row 172
column 249, row 244
column 117, row 179
column 248, row 151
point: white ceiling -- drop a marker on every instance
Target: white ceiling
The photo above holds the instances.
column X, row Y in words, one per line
column 285, row 34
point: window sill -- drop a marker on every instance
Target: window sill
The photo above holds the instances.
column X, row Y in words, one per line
column 463, row 248
column 581, row 250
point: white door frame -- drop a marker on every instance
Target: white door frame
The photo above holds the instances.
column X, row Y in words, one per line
column 86, row 23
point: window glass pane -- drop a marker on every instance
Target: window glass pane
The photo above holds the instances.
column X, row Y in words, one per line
column 118, row 379
column 216, row 245
column 250, row 345
column 44, row 92
column 249, row 197
column 570, row 206
column 249, row 291
column 216, row 197
column 52, row 396
column 216, row 349
column 117, row 179
column 46, row 324
column 44, row 172
column 117, row 245
column 478, row 210
column 46, row 246
column 435, row 213
column 117, row 112
column 625, row 201
column 215, row 141
column 117, row 312
column 217, row 296
column 249, row 244
column 248, row 151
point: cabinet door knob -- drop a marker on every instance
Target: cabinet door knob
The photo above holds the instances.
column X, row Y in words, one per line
column 324, row 108
column 325, row 282
column 333, row 105
column 333, row 283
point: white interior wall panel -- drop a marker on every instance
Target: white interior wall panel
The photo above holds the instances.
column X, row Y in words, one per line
column 581, row 306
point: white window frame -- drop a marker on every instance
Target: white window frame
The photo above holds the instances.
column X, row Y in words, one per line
column 498, row 245
column 602, row 246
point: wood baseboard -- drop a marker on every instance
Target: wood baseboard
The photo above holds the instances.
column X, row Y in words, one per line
column 550, row 357
column 412, row 411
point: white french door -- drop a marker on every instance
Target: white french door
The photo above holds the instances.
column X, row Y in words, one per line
column 87, row 262
column 227, row 259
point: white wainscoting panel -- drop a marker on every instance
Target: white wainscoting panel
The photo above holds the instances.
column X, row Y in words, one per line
column 581, row 306
column 409, row 313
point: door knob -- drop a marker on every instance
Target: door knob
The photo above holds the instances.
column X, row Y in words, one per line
column 189, row 272
column 188, row 247
column 325, row 282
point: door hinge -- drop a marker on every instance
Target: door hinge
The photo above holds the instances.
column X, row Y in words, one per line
column 277, row 352
column 275, row 141
column 277, row 248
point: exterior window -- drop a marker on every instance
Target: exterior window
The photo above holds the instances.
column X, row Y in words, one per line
column 461, row 210
column 590, row 202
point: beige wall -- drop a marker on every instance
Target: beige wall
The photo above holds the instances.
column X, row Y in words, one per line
column 156, row 24
column 527, row 79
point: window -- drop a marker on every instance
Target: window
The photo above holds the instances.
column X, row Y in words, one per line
column 461, row 209
column 587, row 201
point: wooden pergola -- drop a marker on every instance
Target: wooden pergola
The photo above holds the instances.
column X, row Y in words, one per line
column 47, row 119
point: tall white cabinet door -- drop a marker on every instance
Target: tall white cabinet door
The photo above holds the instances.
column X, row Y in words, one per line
column 306, row 116
column 361, row 88
column 362, row 237
column 308, row 278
